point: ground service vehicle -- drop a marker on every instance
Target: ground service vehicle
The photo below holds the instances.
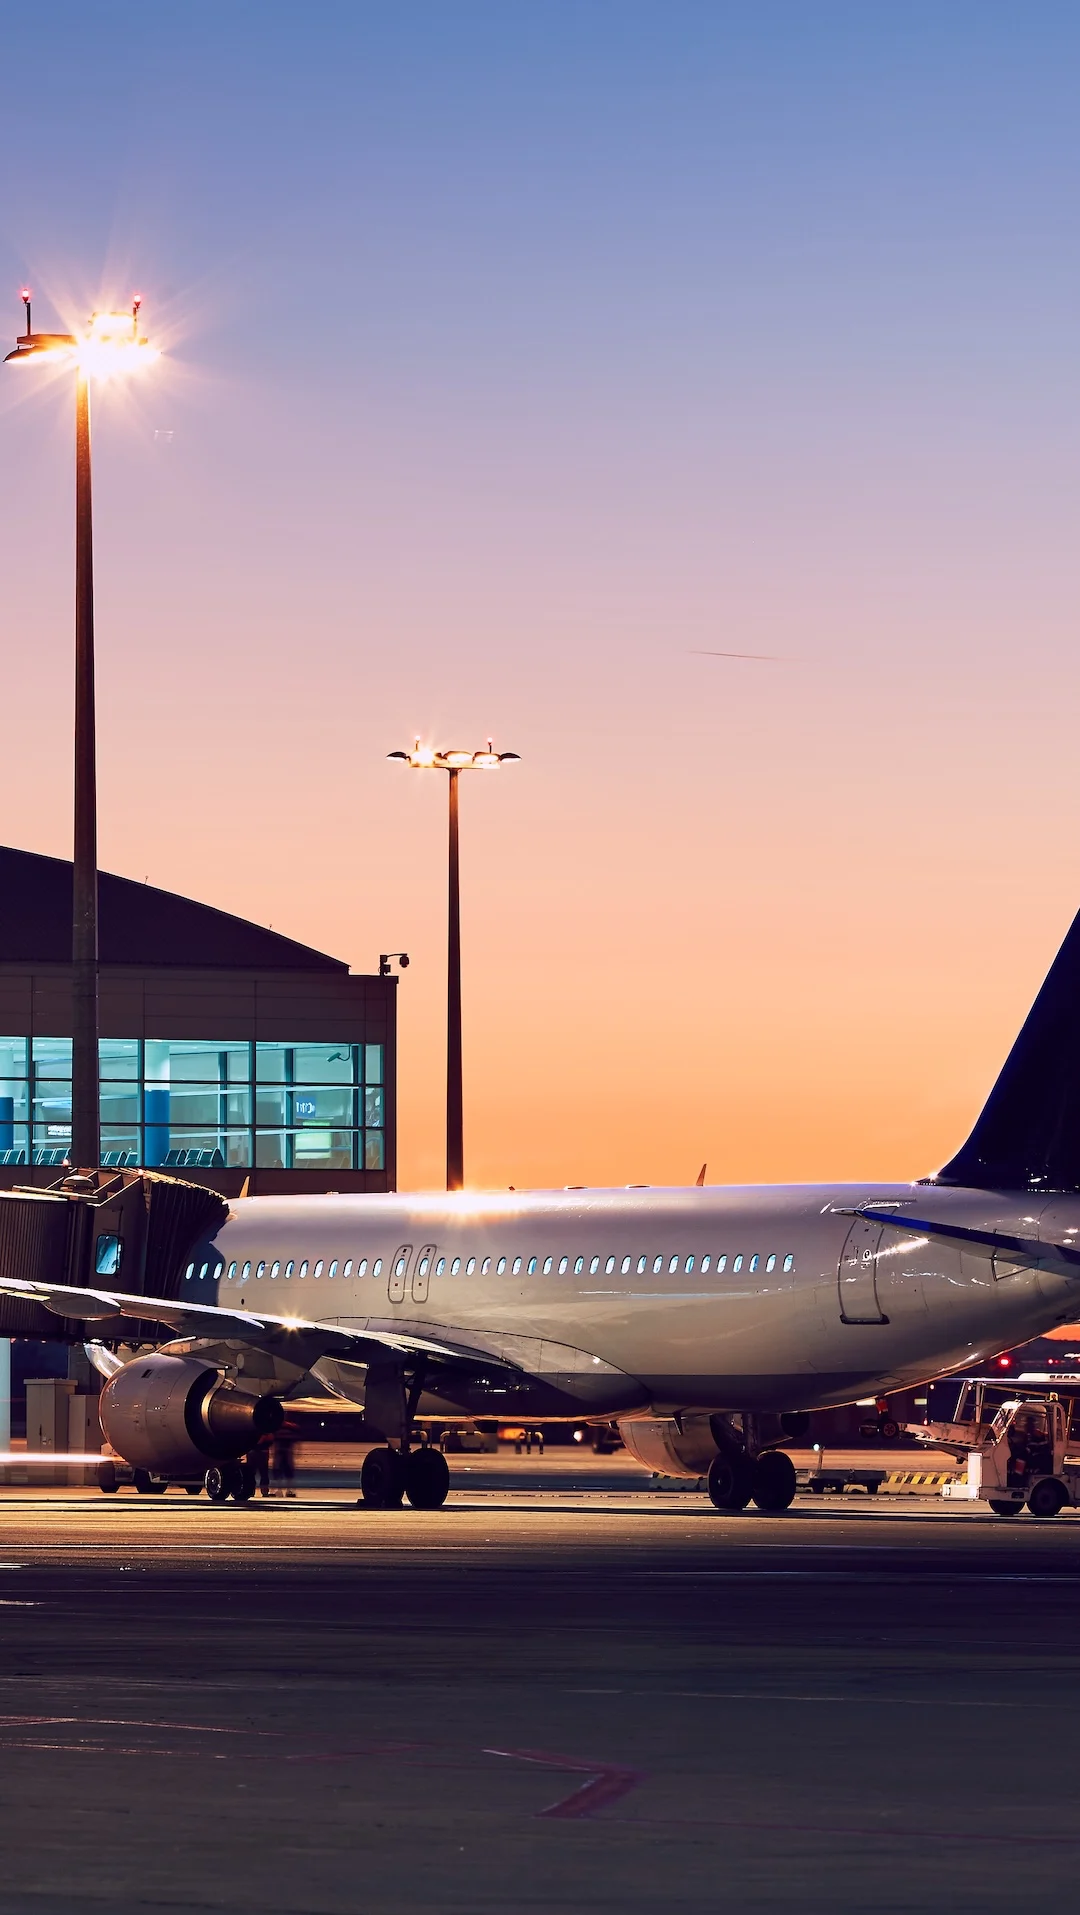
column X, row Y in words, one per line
column 1016, row 1457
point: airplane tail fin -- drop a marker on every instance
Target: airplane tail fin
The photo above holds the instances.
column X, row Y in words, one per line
column 1027, row 1136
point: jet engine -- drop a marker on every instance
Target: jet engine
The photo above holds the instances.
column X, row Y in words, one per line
column 687, row 1447
column 668, row 1450
column 173, row 1414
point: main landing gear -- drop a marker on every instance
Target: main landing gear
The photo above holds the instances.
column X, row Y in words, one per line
column 767, row 1480
column 225, row 1480
column 388, row 1476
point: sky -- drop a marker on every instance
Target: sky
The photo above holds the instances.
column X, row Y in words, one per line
column 516, row 360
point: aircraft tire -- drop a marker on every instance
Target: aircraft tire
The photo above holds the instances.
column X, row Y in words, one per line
column 1047, row 1498
column 1001, row 1508
column 106, row 1478
column 244, row 1490
column 193, row 1489
column 382, row 1479
column 146, row 1485
column 427, row 1479
column 730, row 1482
column 219, row 1482
column 774, row 1482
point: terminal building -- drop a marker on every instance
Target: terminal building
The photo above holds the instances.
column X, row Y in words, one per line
column 230, row 1055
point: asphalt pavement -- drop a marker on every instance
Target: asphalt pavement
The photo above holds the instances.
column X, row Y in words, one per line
column 535, row 1700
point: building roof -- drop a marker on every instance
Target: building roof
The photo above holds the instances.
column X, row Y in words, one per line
column 138, row 924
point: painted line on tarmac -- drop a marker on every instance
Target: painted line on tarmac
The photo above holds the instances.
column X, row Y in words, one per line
column 608, row 1782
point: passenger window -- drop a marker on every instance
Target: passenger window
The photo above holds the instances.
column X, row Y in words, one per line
column 754, row 1261
column 317, row 1272
column 609, row 1266
column 399, row 1267
column 673, row 1264
column 455, row 1266
column 485, row 1266
column 737, row 1265
column 470, row 1266
column 376, row 1268
column 232, row 1271
column 500, row 1266
column 789, row 1263
column 275, row 1268
column 705, row 1262
column 593, row 1267
column 547, row 1266
column 771, row 1265
column 517, row 1266
column 303, row 1268
column 218, row 1268
column 440, row 1266
column 347, row 1272
column 532, row 1266
column 261, row 1271
column 579, row 1265
column 564, row 1265
column 721, row 1262
column 688, row 1265
column 657, row 1264
column 361, row 1268
column 425, row 1265
column 625, row 1265
column 642, row 1264
column 289, row 1268
column 189, row 1272
column 244, row 1275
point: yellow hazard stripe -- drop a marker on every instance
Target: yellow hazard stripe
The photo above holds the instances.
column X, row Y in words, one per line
column 918, row 1479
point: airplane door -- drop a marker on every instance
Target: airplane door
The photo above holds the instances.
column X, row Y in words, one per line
column 421, row 1275
column 399, row 1266
column 857, row 1274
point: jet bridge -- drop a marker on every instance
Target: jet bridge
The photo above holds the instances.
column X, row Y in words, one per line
column 132, row 1230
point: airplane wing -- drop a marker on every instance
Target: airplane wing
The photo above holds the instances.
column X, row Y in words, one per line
column 259, row 1329
column 1027, row 1252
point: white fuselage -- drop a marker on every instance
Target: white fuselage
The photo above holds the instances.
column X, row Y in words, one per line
column 657, row 1299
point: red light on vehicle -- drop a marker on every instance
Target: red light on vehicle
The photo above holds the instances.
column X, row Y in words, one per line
column 1004, row 1362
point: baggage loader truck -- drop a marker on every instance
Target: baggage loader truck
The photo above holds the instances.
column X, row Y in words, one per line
column 1018, row 1458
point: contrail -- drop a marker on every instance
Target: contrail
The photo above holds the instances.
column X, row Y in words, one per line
column 764, row 658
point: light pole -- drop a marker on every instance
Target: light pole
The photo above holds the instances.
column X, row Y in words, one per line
column 423, row 758
column 112, row 345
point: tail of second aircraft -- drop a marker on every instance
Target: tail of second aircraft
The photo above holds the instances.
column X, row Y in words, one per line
column 1028, row 1134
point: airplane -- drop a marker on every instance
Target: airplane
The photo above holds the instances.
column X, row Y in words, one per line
column 707, row 1322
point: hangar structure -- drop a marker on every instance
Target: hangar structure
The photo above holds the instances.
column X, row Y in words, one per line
column 230, row 1056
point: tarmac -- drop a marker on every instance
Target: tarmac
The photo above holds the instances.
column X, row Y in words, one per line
column 565, row 1691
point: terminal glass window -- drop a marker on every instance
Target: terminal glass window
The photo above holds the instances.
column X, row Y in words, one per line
column 200, row 1103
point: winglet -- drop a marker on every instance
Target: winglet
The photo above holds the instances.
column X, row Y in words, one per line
column 699, row 1181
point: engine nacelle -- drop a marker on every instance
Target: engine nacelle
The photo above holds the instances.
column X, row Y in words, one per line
column 687, row 1448
column 173, row 1415
column 667, row 1450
